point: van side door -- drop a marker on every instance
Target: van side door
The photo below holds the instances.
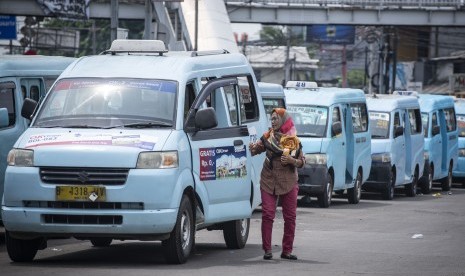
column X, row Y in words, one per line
column 398, row 146
column 435, row 147
column 337, row 147
column 220, row 162
column 361, row 155
column 451, row 148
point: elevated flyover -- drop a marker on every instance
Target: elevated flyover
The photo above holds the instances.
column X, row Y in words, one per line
column 349, row 12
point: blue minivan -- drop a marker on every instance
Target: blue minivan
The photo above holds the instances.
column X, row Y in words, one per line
column 138, row 143
column 459, row 171
column 396, row 144
column 333, row 127
column 22, row 77
column 441, row 140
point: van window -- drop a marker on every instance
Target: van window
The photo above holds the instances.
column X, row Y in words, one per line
column 270, row 104
column 434, row 120
column 336, row 117
column 461, row 124
column 379, row 125
column 359, row 117
column 451, row 125
column 248, row 99
column 189, row 98
column 34, row 92
column 415, row 121
column 7, row 100
column 424, row 121
column 109, row 103
column 231, row 101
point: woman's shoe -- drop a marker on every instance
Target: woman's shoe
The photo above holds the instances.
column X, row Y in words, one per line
column 268, row 256
column 288, row 256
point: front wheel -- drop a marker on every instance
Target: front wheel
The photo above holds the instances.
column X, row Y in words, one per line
column 411, row 189
column 355, row 193
column 427, row 184
column 446, row 183
column 388, row 193
column 324, row 200
column 21, row 250
column 178, row 246
column 236, row 233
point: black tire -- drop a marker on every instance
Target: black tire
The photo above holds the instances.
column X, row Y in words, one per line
column 324, row 199
column 21, row 250
column 446, row 182
column 354, row 194
column 178, row 246
column 411, row 189
column 388, row 192
column 427, row 183
column 101, row 242
column 236, row 233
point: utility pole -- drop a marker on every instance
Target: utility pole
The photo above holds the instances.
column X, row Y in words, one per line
column 394, row 62
column 196, row 38
column 344, row 66
column 148, row 20
column 114, row 20
column 287, row 62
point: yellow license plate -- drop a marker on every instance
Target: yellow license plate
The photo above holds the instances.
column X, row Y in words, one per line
column 80, row 193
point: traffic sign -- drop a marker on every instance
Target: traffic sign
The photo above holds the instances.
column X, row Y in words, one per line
column 7, row 27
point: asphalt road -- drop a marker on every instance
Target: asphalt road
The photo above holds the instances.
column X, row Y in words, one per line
column 374, row 237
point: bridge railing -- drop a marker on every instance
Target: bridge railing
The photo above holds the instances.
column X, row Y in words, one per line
column 360, row 3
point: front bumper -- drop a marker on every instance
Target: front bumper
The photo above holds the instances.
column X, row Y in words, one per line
column 143, row 206
column 379, row 175
column 312, row 179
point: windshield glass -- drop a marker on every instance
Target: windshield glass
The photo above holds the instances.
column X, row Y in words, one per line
column 461, row 124
column 108, row 103
column 270, row 104
column 379, row 125
column 309, row 120
column 424, row 121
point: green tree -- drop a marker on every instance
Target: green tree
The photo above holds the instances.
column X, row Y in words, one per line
column 355, row 78
column 102, row 35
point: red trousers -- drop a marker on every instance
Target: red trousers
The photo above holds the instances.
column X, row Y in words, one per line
column 289, row 206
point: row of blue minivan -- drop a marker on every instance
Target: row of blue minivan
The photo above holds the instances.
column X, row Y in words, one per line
column 403, row 140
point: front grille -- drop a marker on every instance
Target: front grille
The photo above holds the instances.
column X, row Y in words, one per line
column 84, row 205
column 83, row 176
column 82, row 219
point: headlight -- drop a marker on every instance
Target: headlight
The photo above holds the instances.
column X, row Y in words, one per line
column 21, row 158
column 426, row 154
column 318, row 159
column 381, row 157
column 157, row 160
column 461, row 152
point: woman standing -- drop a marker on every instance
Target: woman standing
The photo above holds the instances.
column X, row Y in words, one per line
column 279, row 178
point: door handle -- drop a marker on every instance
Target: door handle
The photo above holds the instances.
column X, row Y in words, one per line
column 238, row 143
column 343, row 143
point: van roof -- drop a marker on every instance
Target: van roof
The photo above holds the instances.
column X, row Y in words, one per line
column 270, row 89
column 389, row 103
column 430, row 102
column 324, row 96
column 34, row 65
column 168, row 66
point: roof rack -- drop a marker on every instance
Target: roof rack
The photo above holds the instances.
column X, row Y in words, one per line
column 208, row 53
column 136, row 46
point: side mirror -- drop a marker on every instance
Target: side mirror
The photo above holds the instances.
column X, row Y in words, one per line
column 4, row 119
column 205, row 118
column 336, row 129
column 436, row 130
column 398, row 131
column 29, row 106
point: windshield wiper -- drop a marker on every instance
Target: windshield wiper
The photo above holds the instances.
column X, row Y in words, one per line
column 143, row 125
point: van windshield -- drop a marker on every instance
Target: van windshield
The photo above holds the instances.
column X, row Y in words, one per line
column 310, row 121
column 270, row 103
column 424, row 121
column 461, row 124
column 379, row 125
column 109, row 103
